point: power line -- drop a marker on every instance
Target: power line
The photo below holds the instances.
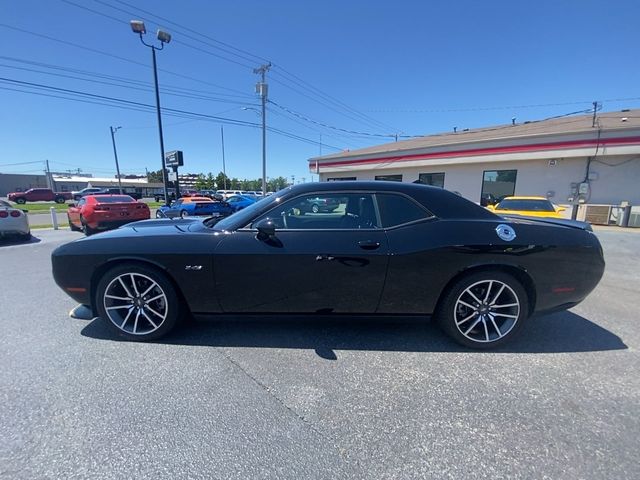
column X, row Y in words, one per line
column 507, row 107
column 300, row 82
column 139, row 88
column 110, row 101
column 249, row 56
column 132, row 81
column 107, row 54
column 359, row 116
column 303, row 117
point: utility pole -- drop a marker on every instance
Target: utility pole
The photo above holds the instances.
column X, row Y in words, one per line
column 595, row 108
column 224, row 168
column 262, row 88
column 49, row 179
column 115, row 154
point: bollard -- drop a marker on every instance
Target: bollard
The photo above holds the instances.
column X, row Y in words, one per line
column 626, row 213
column 54, row 218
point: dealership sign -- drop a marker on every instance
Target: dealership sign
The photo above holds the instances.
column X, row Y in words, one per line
column 173, row 159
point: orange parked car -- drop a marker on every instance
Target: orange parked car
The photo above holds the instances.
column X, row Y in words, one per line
column 103, row 212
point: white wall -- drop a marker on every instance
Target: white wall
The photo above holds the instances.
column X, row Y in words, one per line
column 614, row 178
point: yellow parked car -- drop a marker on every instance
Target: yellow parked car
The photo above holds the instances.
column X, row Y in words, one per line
column 529, row 206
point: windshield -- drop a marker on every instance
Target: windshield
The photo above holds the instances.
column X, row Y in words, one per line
column 526, row 205
column 244, row 216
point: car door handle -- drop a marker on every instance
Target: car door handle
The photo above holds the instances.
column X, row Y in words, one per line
column 368, row 244
column 320, row 258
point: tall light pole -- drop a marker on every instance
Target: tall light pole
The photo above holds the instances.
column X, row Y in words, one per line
column 262, row 89
column 138, row 27
column 115, row 154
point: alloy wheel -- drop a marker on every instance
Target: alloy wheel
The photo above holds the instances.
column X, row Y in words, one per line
column 135, row 303
column 486, row 311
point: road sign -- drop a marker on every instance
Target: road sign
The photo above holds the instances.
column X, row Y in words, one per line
column 173, row 159
column 172, row 176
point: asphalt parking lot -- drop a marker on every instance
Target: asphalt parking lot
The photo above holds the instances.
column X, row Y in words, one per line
column 269, row 397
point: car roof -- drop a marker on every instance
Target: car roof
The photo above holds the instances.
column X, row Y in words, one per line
column 519, row 197
column 442, row 203
column 196, row 199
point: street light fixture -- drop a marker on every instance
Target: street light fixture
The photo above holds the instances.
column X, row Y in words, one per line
column 137, row 26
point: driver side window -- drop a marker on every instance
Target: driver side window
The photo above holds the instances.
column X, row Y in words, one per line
column 325, row 211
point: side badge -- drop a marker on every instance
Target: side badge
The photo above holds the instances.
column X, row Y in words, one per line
column 505, row 232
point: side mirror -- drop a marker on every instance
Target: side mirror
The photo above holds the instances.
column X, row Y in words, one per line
column 266, row 229
column 560, row 209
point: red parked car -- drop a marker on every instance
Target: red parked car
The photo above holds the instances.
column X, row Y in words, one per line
column 103, row 212
column 39, row 195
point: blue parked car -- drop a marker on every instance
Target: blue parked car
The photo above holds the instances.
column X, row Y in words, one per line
column 189, row 206
column 238, row 202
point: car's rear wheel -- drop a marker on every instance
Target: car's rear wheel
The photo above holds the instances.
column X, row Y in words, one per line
column 59, row 199
column 86, row 229
column 183, row 213
column 137, row 302
column 72, row 226
column 20, row 201
column 483, row 310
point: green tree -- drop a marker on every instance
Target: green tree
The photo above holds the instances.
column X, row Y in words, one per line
column 201, row 183
column 222, row 182
column 155, row 176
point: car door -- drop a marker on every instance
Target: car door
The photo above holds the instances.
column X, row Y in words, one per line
column 74, row 212
column 325, row 262
column 174, row 209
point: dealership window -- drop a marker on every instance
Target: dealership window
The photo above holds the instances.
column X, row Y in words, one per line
column 389, row 178
column 340, row 179
column 497, row 184
column 435, row 179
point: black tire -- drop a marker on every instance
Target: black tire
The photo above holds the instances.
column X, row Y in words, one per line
column 20, row 201
column 59, row 199
column 72, row 226
column 183, row 214
column 315, row 208
column 86, row 229
column 480, row 325
column 169, row 305
column 158, row 214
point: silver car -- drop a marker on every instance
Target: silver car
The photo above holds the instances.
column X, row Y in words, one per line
column 13, row 222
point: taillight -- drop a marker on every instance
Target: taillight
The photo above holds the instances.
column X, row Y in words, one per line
column 100, row 208
column 4, row 214
column 15, row 213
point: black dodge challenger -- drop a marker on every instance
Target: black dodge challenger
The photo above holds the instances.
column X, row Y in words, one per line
column 387, row 248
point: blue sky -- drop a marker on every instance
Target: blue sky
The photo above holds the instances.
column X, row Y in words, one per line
column 408, row 67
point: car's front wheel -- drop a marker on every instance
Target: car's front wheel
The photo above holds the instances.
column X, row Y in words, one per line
column 72, row 225
column 137, row 302
column 483, row 310
column 184, row 213
column 20, row 201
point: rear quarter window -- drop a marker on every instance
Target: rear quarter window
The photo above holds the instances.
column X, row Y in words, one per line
column 397, row 209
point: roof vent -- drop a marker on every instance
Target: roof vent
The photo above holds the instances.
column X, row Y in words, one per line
column 465, row 130
column 528, row 121
column 455, row 129
column 625, row 110
column 513, row 120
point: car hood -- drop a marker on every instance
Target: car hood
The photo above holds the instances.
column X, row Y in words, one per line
column 154, row 228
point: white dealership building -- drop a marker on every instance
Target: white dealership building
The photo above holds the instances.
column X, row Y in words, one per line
column 577, row 159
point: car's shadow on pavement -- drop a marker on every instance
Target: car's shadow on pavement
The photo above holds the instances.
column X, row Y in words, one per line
column 10, row 242
column 556, row 333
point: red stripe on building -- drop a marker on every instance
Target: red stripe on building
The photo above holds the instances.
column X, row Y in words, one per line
column 489, row 151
